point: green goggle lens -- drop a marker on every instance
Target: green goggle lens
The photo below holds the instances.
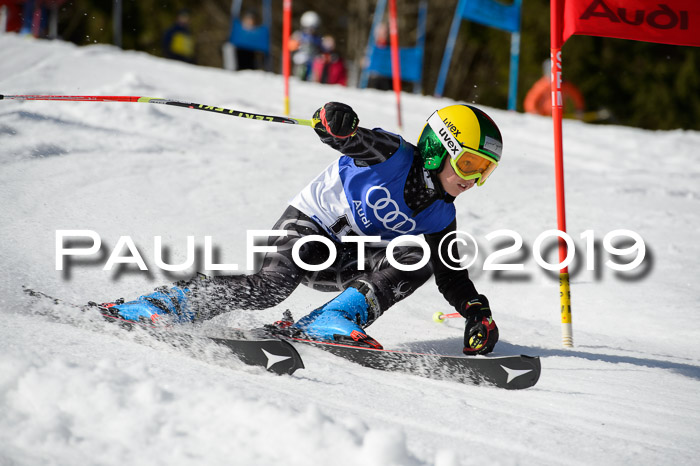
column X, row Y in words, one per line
column 432, row 149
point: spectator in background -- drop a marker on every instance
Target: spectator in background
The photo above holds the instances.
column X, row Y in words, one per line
column 305, row 45
column 247, row 59
column 178, row 42
column 539, row 98
column 328, row 67
column 381, row 41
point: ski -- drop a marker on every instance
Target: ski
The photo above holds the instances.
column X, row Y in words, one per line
column 509, row 372
column 277, row 353
column 273, row 354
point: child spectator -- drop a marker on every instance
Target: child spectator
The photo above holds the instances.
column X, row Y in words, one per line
column 328, row 67
column 305, row 45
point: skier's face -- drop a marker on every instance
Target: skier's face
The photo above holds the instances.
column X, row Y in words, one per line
column 452, row 183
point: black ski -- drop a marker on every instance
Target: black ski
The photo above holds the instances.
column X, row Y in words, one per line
column 277, row 354
column 273, row 354
column 510, row 372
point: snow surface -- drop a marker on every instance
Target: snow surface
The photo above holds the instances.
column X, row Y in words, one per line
column 86, row 393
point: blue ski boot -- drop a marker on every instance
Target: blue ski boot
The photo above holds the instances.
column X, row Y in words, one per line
column 172, row 303
column 343, row 319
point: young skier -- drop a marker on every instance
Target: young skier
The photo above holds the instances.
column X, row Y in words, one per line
column 381, row 186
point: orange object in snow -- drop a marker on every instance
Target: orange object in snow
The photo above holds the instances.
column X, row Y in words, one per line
column 538, row 99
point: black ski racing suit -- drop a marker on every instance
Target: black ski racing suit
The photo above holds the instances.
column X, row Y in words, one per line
column 279, row 275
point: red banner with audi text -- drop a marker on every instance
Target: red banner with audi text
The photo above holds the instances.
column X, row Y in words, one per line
column 675, row 22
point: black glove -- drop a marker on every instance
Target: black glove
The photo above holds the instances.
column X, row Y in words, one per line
column 480, row 331
column 338, row 120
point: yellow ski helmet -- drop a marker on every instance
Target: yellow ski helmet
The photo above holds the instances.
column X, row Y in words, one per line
column 464, row 135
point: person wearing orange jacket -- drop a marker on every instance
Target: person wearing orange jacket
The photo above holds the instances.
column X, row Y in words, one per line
column 538, row 99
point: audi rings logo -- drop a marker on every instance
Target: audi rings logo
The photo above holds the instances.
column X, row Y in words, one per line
column 387, row 211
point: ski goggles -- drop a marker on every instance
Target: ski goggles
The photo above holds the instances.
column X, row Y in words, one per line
column 468, row 163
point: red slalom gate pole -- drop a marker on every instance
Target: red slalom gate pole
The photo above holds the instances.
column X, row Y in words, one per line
column 556, row 42
column 395, row 59
column 286, row 32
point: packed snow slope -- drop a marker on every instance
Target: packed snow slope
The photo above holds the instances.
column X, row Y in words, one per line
column 76, row 391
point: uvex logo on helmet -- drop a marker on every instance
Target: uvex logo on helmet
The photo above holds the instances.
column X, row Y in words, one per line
column 449, row 142
column 451, row 126
column 447, row 139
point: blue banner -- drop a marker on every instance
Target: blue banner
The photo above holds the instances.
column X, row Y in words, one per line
column 411, row 63
column 493, row 14
column 255, row 39
column 378, row 59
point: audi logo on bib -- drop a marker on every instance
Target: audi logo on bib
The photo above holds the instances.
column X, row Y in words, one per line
column 387, row 211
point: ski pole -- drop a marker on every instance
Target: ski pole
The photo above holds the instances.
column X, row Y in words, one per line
column 440, row 318
column 152, row 100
